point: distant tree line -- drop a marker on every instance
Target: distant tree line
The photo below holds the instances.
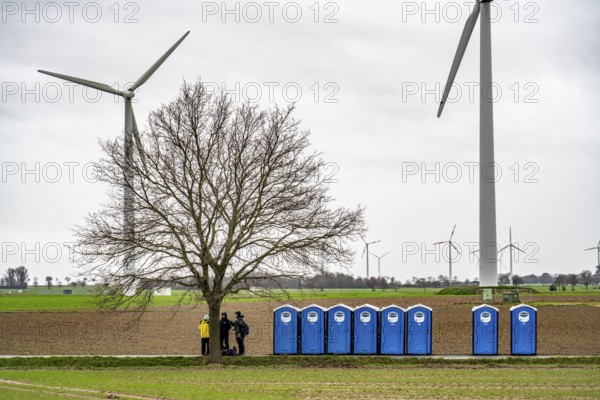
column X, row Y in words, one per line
column 15, row 278
column 18, row 278
column 344, row 281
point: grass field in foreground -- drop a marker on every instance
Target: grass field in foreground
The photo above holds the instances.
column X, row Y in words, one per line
column 44, row 300
column 216, row 382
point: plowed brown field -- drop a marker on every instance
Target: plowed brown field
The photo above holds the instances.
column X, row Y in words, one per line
column 570, row 329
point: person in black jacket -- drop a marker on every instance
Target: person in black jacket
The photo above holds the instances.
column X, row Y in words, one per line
column 240, row 331
column 224, row 327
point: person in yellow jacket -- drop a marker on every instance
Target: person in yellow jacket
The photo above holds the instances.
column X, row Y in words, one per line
column 203, row 328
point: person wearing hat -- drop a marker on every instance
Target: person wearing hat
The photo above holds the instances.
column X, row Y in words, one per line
column 224, row 328
column 240, row 331
column 204, row 331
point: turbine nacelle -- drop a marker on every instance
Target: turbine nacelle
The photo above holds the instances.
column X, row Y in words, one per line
column 128, row 94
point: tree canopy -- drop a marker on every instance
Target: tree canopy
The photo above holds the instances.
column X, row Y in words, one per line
column 225, row 194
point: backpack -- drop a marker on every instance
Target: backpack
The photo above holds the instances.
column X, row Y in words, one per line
column 244, row 328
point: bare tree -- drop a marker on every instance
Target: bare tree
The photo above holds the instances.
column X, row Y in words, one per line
column 586, row 278
column 21, row 275
column 49, row 281
column 517, row 280
column 228, row 194
column 504, row 279
column 561, row 280
column 572, row 280
column 372, row 283
column 10, row 278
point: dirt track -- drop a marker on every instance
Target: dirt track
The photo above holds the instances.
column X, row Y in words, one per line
column 562, row 329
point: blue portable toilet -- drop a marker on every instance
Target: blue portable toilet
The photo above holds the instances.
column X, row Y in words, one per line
column 418, row 329
column 485, row 330
column 339, row 324
column 365, row 329
column 523, row 330
column 312, row 324
column 392, row 330
column 285, row 329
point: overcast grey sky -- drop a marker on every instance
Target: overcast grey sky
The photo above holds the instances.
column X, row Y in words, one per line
column 366, row 76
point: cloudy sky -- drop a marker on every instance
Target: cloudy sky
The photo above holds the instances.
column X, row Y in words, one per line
column 366, row 77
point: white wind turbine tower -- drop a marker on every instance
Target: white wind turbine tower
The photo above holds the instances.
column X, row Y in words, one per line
column 450, row 246
column 379, row 261
column 366, row 250
column 476, row 252
column 130, row 132
column 488, row 271
column 596, row 248
column 510, row 246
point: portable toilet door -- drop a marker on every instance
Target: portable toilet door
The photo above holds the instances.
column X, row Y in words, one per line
column 339, row 324
column 485, row 330
column 418, row 332
column 312, row 337
column 523, row 332
column 365, row 329
column 285, row 330
column 392, row 330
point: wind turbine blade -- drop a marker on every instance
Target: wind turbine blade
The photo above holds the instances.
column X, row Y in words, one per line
column 455, row 248
column 440, row 242
column 452, row 234
column 505, row 247
column 374, row 255
column 363, row 239
column 386, row 254
column 84, row 82
column 138, row 141
column 142, row 79
column 363, row 253
column 591, row 248
column 460, row 52
column 518, row 249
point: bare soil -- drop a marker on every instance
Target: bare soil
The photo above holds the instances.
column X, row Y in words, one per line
column 570, row 329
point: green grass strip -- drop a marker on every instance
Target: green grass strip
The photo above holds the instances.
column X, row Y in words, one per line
column 95, row 362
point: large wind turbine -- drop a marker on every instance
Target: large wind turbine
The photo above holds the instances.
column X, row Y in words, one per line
column 596, row 248
column 450, row 246
column 488, row 270
column 366, row 250
column 130, row 132
column 510, row 246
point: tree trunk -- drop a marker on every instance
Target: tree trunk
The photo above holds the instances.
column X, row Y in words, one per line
column 214, row 315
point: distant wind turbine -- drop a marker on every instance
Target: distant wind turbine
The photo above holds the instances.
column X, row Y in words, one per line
column 366, row 250
column 450, row 246
column 379, row 261
column 130, row 132
column 596, row 248
column 488, row 272
column 510, row 246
